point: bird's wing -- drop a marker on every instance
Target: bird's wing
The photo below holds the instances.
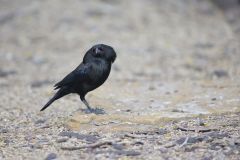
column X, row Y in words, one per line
column 77, row 75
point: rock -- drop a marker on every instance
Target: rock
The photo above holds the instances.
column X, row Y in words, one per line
column 51, row 156
column 216, row 135
column 118, row 146
column 214, row 99
column 151, row 88
column 40, row 121
column 208, row 158
column 177, row 110
column 153, row 132
column 161, row 131
column 89, row 138
column 7, row 141
column 7, row 73
column 190, row 149
column 192, row 140
column 38, row 146
column 163, row 150
column 216, row 146
column 3, row 130
column 138, row 143
column 61, row 140
column 128, row 153
column 220, row 73
column 237, row 143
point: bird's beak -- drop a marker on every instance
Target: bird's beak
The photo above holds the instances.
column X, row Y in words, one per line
column 113, row 59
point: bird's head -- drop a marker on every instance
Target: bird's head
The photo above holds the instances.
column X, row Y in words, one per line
column 102, row 51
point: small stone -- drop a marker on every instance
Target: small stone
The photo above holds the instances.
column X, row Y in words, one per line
column 163, row 150
column 3, row 130
column 170, row 144
column 89, row 138
column 61, row 140
column 6, row 73
column 118, row 146
column 38, row 146
column 196, row 139
column 177, row 110
column 207, row 158
column 40, row 121
column 161, row 131
column 216, row 135
column 190, row 148
column 138, row 143
column 51, row 156
column 151, row 88
column 7, row 141
column 220, row 73
column 216, row 146
column 237, row 143
column 128, row 153
column 214, row 99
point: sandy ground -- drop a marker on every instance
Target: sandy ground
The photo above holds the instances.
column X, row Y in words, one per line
column 173, row 92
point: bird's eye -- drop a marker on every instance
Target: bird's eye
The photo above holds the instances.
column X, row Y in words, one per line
column 98, row 50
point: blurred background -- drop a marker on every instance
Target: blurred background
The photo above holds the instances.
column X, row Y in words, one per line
column 174, row 58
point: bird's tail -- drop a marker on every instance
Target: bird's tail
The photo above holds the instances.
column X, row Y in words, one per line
column 62, row 92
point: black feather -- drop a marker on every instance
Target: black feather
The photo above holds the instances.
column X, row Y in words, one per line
column 89, row 75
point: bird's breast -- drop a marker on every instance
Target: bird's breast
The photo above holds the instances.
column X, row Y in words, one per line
column 98, row 76
column 101, row 72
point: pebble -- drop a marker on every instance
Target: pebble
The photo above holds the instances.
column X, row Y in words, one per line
column 118, row 146
column 89, row 138
column 51, row 156
column 128, row 153
column 3, row 130
column 61, row 140
column 220, row 73
column 7, row 73
column 191, row 139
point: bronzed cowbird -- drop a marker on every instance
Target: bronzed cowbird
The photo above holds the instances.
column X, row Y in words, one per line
column 90, row 74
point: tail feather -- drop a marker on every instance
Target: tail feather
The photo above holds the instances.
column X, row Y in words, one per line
column 62, row 92
column 48, row 103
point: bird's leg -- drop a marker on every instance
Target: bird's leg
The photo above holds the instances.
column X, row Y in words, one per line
column 91, row 110
column 86, row 103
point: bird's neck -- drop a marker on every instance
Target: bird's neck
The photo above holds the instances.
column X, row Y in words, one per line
column 100, row 61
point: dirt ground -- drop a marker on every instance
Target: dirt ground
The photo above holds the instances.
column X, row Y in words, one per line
column 173, row 93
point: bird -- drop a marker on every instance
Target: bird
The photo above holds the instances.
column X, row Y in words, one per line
column 92, row 72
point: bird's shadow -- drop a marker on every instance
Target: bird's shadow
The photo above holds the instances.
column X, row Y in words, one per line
column 96, row 111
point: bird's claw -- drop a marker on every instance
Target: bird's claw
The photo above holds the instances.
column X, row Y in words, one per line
column 94, row 110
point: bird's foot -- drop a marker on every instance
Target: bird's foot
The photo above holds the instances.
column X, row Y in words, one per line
column 94, row 110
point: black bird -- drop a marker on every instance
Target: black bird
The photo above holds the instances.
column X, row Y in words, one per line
column 90, row 74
